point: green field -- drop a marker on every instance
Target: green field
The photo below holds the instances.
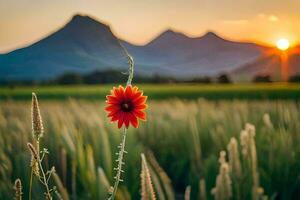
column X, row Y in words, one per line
column 185, row 91
column 182, row 140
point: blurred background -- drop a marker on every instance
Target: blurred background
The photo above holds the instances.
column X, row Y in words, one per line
column 209, row 68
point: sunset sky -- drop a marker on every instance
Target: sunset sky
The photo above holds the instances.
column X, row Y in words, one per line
column 23, row 22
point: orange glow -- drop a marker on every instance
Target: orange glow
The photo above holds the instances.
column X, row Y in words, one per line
column 283, row 55
column 283, row 44
column 284, row 66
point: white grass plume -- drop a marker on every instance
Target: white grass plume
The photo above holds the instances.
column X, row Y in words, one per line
column 234, row 158
column 223, row 189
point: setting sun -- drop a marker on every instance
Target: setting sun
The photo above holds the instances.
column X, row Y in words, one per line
column 283, row 44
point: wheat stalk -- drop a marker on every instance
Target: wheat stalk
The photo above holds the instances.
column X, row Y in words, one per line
column 147, row 191
column 63, row 193
column 38, row 131
column 202, row 189
column 37, row 156
column 167, row 183
column 249, row 151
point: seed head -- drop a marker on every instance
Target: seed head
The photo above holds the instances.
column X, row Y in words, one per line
column 187, row 193
column 223, row 190
column 267, row 121
column 34, row 159
column 234, row 157
column 222, row 158
column 18, row 189
column 32, row 150
column 250, row 128
column 37, row 123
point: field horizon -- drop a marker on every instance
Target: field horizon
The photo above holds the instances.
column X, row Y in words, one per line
column 159, row 91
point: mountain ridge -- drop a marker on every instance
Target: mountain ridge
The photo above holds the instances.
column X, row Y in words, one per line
column 172, row 48
column 84, row 44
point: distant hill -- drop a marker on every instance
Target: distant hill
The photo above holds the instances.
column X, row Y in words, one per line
column 178, row 55
column 84, row 45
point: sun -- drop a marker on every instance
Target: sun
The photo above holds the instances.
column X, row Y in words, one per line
column 283, row 44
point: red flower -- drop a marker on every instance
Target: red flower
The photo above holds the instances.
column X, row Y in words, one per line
column 126, row 106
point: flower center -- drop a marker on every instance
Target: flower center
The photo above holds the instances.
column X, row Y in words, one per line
column 126, row 106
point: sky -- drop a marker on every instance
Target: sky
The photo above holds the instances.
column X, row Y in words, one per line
column 23, row 22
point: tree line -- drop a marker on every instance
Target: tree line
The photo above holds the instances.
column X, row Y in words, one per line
column 115, row 76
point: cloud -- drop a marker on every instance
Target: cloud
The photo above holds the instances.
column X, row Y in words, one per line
column 235, row 22
column 273, row 18
column 269, row 17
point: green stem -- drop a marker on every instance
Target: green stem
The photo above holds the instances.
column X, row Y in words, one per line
column 48, row 195
column 74, row 193
column 130, row 64
column 30, row 184
column 131, row 69
column 120, row 165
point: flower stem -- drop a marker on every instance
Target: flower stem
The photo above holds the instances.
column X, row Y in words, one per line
column 121, row 152
column 131, row 69
column 120, row 164
column 130, row 64
column 44, row 179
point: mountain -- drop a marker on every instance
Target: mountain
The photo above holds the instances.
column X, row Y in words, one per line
column 176, row 54
column 272, row 64
column 82, row 45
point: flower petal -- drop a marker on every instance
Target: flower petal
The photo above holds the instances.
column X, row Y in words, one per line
column 140, row 100
column 133, row 120
column 137, row 95
column 128, row 92
column 141, row 107
column 114, row 112
column 111, row 99
column 140, row 114
column 121, row 120
column 126, row 119
column 119, row 92
column 116, row 116
column 135, row 89
column 111, row 108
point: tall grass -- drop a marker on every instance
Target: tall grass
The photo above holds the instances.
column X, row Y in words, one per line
column 181, row 142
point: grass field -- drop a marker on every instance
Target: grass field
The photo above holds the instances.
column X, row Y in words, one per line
column 182, row 140
column 185, row 91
